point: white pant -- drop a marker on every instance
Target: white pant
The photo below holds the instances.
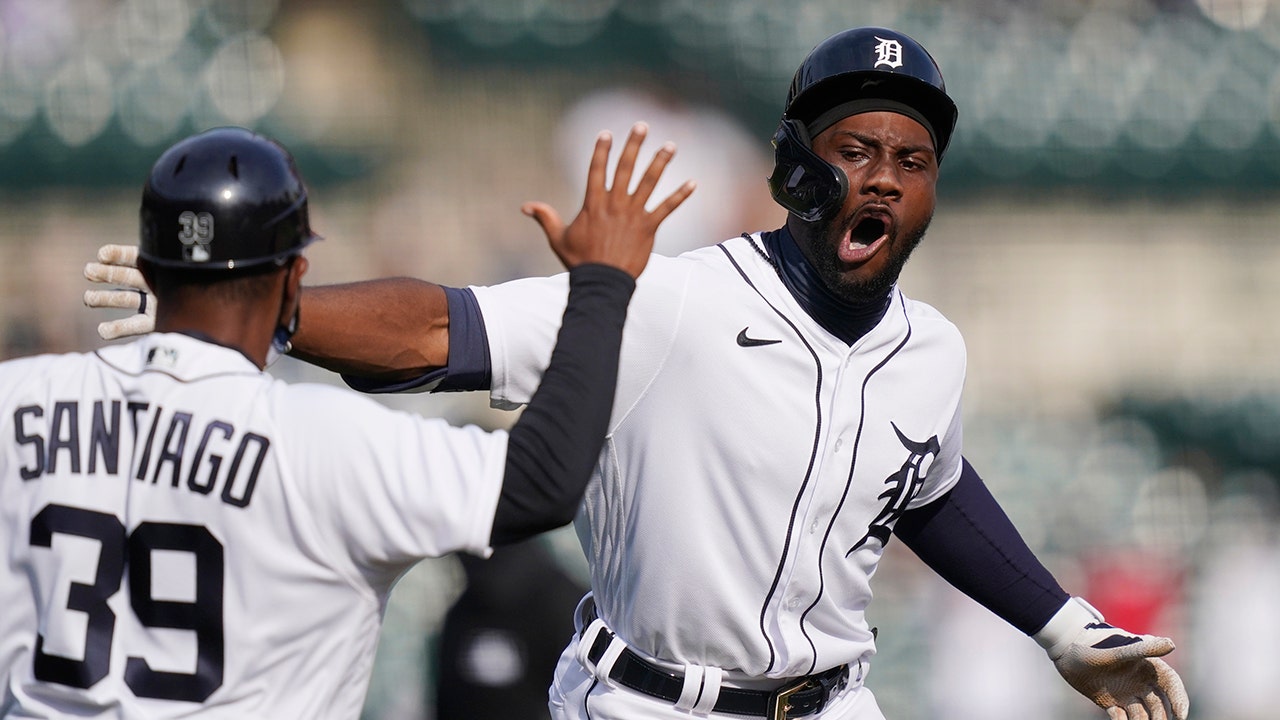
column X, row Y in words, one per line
column 576, row 695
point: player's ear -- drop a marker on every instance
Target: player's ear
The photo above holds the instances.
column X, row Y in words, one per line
column 294, row 271
column 297, row 269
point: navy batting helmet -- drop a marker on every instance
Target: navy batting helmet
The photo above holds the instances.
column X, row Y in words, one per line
column 854, row 71
column 224, row 199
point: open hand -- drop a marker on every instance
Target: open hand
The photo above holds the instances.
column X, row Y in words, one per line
column 613, row 227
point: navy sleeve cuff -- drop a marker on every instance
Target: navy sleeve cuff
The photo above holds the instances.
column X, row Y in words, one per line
column 469, row 367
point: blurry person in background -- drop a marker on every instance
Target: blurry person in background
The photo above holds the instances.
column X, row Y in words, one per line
column 1235, row 598
column 501, row 638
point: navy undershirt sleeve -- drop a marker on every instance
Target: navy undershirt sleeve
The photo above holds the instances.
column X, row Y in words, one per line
column 556, row 443
column 969, row 541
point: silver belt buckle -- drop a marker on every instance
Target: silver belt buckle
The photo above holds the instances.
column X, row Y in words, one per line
column 780, row 702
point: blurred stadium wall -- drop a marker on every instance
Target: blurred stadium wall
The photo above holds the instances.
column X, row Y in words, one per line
column 1105, row 238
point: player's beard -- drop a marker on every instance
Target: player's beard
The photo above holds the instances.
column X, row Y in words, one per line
column 900, row 245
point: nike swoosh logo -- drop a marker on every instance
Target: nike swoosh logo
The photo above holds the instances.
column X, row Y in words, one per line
column 745, row 341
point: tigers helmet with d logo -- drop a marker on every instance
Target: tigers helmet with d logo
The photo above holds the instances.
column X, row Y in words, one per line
column 224, row 199
column 858, row 70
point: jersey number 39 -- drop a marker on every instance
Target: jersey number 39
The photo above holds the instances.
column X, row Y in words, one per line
column 203, row 616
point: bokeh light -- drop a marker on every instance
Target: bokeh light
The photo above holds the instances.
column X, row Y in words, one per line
column 245, row 78
column 149, row 31
column 78, row 101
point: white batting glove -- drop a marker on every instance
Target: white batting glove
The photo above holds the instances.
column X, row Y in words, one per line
column 118, row 265
column 1116, row 669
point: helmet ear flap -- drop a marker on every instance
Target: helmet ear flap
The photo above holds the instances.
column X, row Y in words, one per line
column 806, row 185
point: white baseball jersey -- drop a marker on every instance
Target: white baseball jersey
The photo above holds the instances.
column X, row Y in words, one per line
column 755, row 463
column 183, row 536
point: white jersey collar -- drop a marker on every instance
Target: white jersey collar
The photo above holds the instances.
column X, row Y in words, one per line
column 181, row 356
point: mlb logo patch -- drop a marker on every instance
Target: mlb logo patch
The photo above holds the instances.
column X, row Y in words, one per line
column 162, row 356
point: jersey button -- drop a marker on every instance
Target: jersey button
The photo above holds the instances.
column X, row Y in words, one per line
column 793, row 603
column 813, row 527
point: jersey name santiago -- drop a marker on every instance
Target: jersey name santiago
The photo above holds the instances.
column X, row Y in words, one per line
column 185, row 536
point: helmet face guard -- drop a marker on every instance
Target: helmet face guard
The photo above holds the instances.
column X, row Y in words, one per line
column 806, row 185
column 224, row 199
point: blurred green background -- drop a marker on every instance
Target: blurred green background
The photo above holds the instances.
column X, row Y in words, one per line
column 1105, row 238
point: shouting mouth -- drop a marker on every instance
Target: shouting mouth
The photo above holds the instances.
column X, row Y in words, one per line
column 871, row 230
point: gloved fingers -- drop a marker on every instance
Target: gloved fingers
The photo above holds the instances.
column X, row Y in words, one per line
column 1172, row 689
column 118, row 255
column 1137, row 711
column 139, row 324
column 1117, row 713
column 1155, row 646
column 127, row 299
column 1148, row 646
column 117, row 265
column 1119, row 653
column 115, row 275
column 1156, row 705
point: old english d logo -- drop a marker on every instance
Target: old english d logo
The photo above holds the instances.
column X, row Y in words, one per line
column 888, row 52
column 901, row 488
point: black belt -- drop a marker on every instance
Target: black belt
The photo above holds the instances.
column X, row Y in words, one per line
column 805, row 696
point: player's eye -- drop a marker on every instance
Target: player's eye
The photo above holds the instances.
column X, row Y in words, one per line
column 853, row 154
column 914, row 162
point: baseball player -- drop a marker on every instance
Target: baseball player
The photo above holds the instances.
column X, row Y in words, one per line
column 186, row 537
column 782, row 411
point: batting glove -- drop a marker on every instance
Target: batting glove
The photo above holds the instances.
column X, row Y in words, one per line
column 118, row 265
column 1118, row 670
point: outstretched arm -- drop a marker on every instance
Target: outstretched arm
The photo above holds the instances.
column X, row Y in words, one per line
column 966, row 537
column 968, row 540
column 387, row 329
